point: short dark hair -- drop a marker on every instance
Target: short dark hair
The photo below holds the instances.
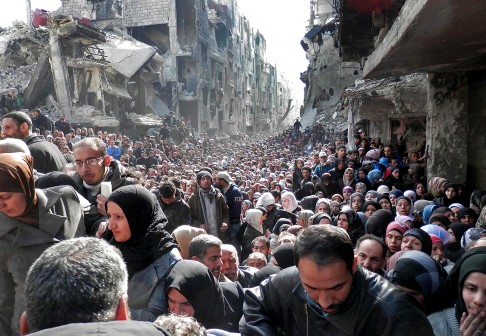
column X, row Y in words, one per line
column 19, row 118
column 374, row 238
column 324, row 244
column 307, row 168
column 262, row 239
column 199, row 245
column 167, row 190
column 75, row 281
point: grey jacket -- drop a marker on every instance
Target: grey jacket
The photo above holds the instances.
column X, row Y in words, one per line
column 60, row 217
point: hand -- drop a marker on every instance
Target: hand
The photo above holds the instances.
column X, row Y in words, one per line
column 268, row 233
column 473, row 324
column 101, row 229
column 100, row 201
column 223, row 227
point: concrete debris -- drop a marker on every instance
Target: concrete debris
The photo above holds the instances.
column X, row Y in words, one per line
column 145, row 120
column 17, row 77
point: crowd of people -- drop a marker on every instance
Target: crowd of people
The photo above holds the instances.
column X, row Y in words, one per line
column 294, row 234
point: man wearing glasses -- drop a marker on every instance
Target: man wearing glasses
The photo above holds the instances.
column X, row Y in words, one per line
column 94, row 166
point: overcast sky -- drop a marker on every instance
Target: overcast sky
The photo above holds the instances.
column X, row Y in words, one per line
column 282, row 22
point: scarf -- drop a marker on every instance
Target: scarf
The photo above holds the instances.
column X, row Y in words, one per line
column 16, row 175
column 149, row 240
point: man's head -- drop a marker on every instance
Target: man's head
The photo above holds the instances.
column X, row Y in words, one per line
column 230, row 261
column 371, row 252
column 167, row 192
column 204, row 180
column 12, row 145
column 257, row 260
column 325, row 259
column 76, row 281
column 90, row 160
column 261, row 244
column 223, row 179
column 16, row 125
column 207, row 250
column 306, row 172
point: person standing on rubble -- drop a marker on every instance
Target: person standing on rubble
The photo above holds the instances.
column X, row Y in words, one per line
column 41, row 121
column 9, row 101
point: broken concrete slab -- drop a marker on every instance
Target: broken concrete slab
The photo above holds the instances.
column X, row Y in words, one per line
column 126, row 57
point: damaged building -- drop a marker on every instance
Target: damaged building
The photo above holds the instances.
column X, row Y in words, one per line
column 421, row 77
column 132, row 62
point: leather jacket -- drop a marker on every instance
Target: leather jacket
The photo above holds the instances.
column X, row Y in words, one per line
column 280, row 306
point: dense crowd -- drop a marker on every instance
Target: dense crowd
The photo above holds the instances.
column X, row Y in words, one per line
column 204, row 225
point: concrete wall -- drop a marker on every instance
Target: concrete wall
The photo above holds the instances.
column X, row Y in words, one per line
column 476, row 141
column 447, row 127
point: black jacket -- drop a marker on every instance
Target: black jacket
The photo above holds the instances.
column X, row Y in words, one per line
column 278, row 306
column 177, row 213
column 47, row 157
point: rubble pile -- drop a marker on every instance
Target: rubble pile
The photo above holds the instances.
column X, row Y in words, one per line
column 16, row 77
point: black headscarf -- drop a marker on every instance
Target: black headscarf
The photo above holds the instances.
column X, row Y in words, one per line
column 201, row 289
column 453, row 251
column 474, row 260
column 373, row 203
column 356, row 228
column 424, row 238
column 467, row 211
column 284, row 254
column 149, row 240
column 377, row 223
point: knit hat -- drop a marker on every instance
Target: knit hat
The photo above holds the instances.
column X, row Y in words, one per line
column 201, row 174
column 423, row 237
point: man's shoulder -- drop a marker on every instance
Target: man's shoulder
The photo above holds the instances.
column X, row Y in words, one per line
column 120, row 328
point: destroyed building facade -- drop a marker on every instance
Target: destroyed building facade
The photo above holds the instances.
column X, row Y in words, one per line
column 421, row 77
column 132, row 62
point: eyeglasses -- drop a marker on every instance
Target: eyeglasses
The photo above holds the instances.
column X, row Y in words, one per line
column 89, row 162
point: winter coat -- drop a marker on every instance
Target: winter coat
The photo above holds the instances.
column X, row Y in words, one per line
column 47, row 156
column 60, row 217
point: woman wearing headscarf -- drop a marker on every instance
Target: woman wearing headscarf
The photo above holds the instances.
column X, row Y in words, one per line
column 356, row 201
column 467, row 216
column 349, row 221
column 450, row 196
column 477, row 200
column 136, row 226
column 418, row 240
column 31, row 221
column 337, row 172
column 377, row 223
column 453, row 249
column 183, row 235
column 321, row 218
column 404, row 206
column 421, row 276
column 466, row 286
column 348, row 179
column 254, row 228
column 192, row 290
column 370, row 207
column 436, row 186
column 374, row 177
column 289, row 208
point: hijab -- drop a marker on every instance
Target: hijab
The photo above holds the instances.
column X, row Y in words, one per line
column 292, row 201
column 424, row 238
column 474, row 260
column 410, row 214
column 428, row 210
column 377, row 223
column 253, row 218
column 16, row 175
column 183, row 235
column 355, row 227
column 149, row 240
column 201, row 289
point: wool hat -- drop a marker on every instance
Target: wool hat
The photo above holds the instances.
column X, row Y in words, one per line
column 201, row 174
column 423, row 237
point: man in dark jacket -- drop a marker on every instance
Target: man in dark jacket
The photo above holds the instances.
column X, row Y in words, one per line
column 328, row 293
column 233, row 198
column 62, row 124
column 175, row 208
column 47, row 156
column 41, row 121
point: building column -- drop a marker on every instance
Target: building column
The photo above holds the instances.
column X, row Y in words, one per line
column 59, row 73
column 446, row 130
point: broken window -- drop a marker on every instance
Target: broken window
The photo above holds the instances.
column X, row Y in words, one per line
column 154, row 35
column 109, row 9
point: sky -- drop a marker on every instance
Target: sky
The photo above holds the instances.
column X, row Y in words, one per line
column 282, row 22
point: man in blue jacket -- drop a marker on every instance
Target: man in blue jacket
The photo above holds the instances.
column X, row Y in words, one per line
column 233, row 198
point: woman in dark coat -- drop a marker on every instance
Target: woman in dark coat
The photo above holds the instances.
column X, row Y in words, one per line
column 136, row 226
column 192, row 290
